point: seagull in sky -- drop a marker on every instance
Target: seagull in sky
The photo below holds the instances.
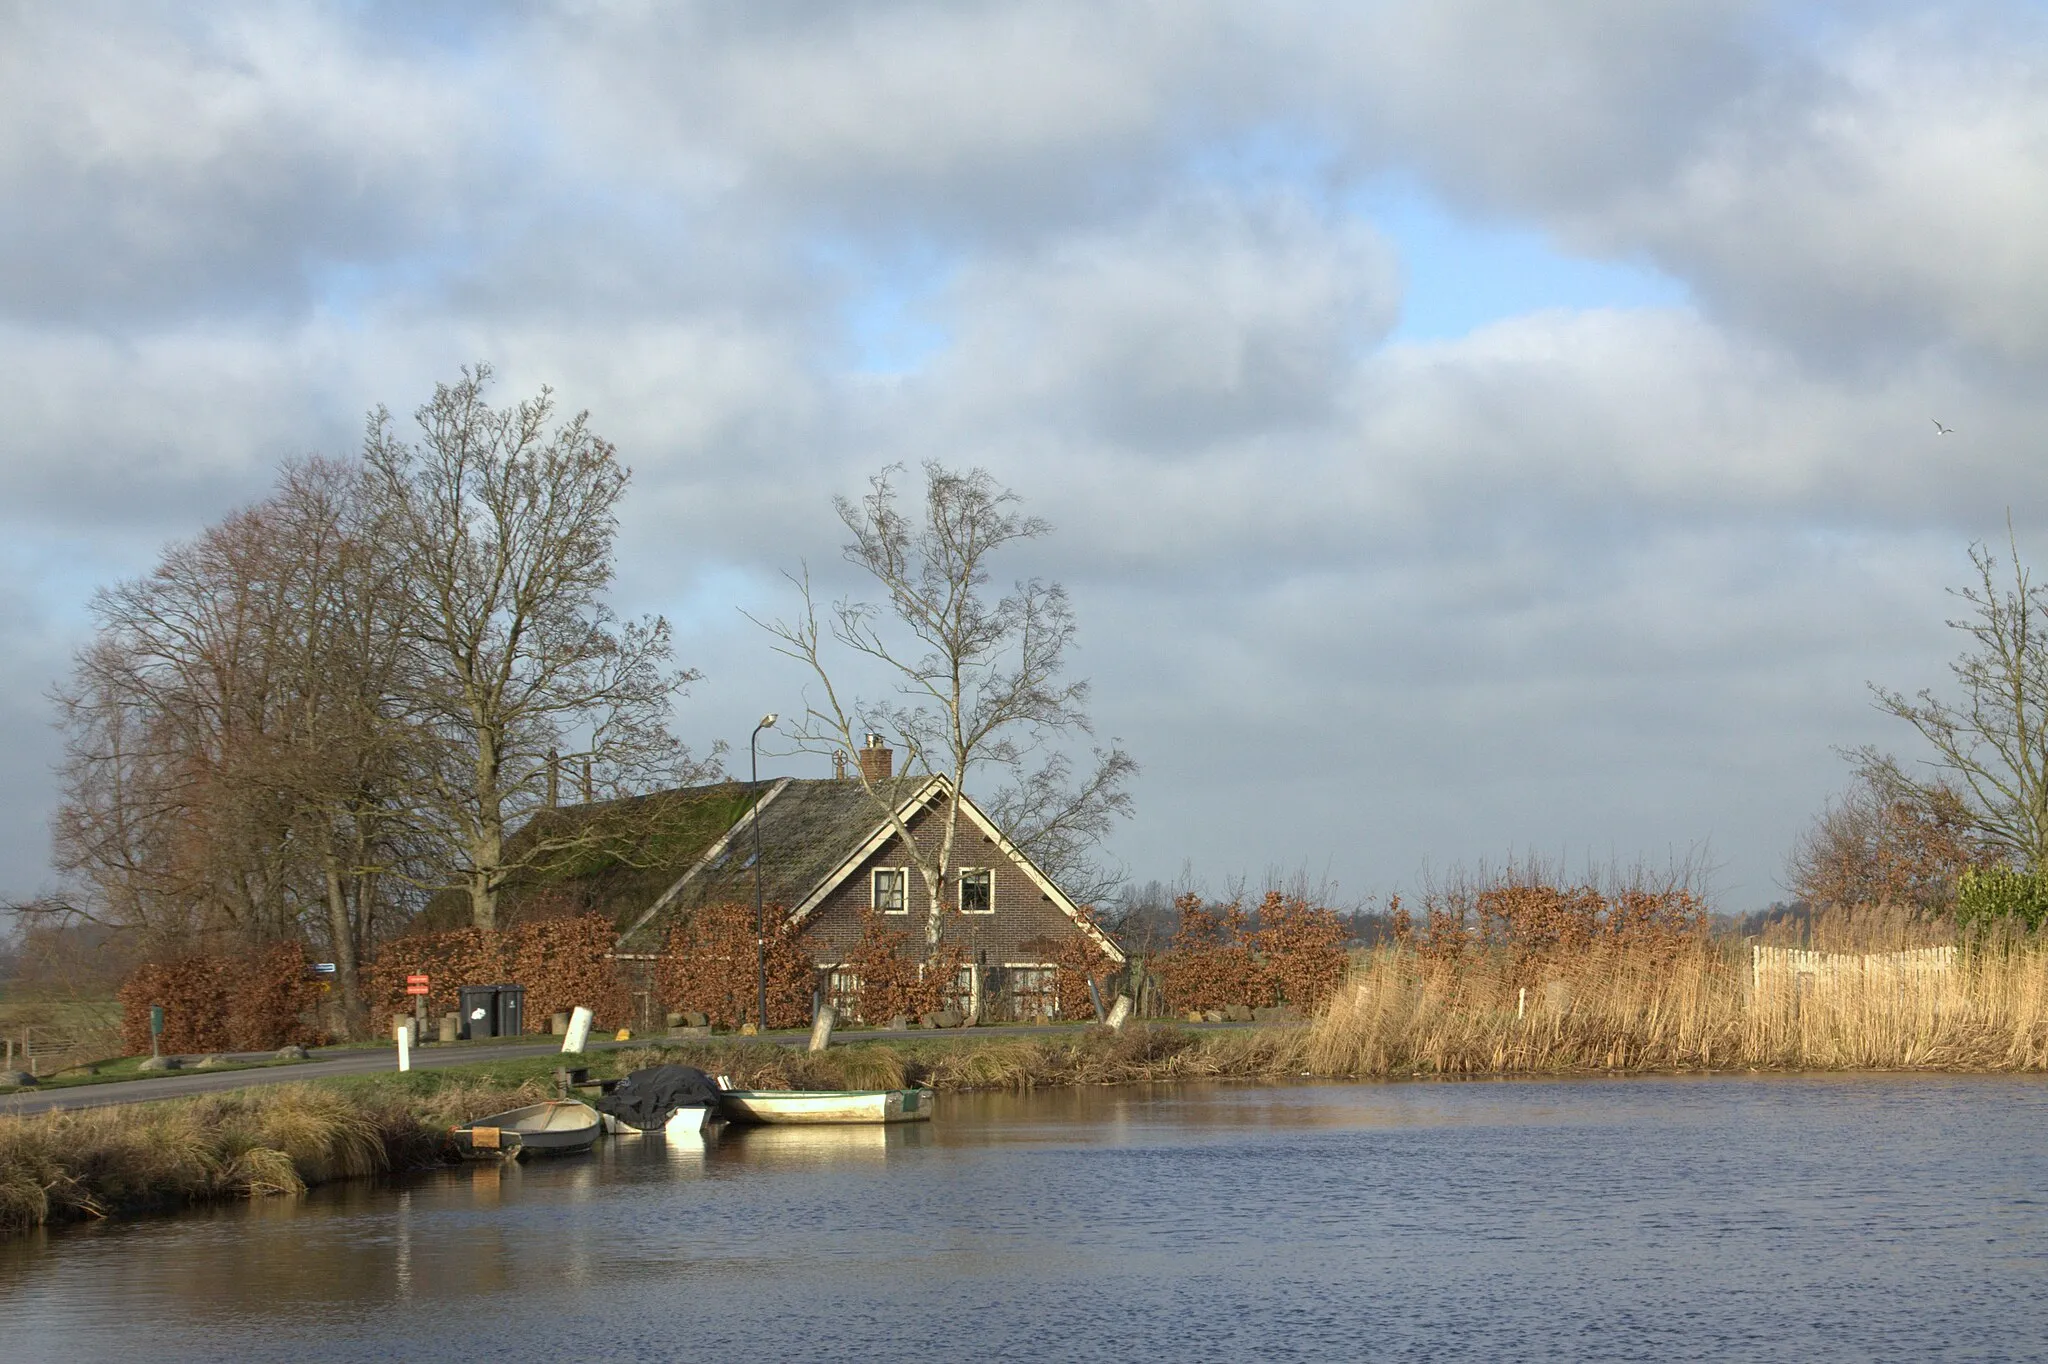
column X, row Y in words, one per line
column 1941, row 430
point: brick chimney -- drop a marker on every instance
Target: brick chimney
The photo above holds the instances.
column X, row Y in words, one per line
column 877, row 761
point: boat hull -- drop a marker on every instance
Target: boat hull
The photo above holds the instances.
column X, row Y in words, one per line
column 825, row 1106
column 557, row 1127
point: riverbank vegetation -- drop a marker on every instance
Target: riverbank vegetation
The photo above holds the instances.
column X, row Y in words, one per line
column 101, row 1162
column 1443, row 1005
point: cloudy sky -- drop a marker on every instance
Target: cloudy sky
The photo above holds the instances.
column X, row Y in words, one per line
column 1471, row 427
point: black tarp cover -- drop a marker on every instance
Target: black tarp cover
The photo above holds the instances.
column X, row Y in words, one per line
column 648, row 1098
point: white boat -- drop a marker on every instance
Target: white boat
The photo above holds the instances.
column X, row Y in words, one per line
column 825, row 1105
column 688, row 1121
column 556, row 1127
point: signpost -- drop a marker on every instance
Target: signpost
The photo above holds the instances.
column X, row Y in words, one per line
column 416, row 986
column 156, row 1029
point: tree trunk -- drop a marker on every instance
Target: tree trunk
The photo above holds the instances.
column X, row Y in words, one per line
column 344, row 940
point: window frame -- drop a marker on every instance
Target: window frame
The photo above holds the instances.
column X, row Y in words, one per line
column 902, row 875
column 960, row 889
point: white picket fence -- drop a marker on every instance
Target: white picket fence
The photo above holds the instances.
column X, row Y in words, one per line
column 1916, row 970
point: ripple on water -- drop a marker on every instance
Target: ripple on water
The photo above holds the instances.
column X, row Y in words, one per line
column 1845, row 1218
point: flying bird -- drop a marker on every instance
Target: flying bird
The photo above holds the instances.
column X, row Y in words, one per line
column 1941, row 430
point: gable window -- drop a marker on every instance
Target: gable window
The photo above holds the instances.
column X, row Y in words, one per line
column 891, row 890
column 977, row 890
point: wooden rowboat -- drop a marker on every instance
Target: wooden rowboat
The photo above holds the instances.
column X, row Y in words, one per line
column 825, row 1105
column 554, row 1127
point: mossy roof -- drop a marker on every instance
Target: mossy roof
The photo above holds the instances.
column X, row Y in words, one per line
column 635, row 851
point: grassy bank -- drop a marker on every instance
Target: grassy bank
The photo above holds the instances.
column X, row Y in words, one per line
column 102, row 1162
column 1696, row 1009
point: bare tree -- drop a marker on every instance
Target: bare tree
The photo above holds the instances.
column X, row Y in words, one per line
column 1993, row 745
column 978, row 681
column 232, row 766
column 504, row 529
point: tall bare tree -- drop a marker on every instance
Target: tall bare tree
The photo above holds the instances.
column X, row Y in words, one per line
column 504, row 526
column 979, row 683
column 1993, row 743
column 231, row 765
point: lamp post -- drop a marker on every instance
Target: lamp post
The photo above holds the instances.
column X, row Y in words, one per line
column 760, row 938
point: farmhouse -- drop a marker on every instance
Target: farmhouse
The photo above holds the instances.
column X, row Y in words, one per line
column 831, row 853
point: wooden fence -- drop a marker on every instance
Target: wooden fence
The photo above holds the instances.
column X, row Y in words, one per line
column 1791, row 970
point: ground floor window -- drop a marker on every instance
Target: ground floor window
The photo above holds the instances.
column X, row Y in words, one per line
column 1031, row 992
column 843, row 988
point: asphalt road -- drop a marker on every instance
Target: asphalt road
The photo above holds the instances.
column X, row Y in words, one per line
column 177, row 1084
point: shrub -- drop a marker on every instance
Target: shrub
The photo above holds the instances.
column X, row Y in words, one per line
column 709, row 964
column 894, row 980
column 1300, row 949
column 1991, row 895
column 1210, row 963
column 221, row 1003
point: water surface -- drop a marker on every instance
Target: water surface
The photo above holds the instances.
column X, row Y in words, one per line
column 1832, row 1218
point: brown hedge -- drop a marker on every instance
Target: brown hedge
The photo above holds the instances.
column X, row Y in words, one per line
column 897, row 980
column 240, row 1003
column 709, row 964
column 1293, row 954
column 562, row 962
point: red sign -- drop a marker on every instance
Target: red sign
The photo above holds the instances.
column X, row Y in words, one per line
column 416, row 985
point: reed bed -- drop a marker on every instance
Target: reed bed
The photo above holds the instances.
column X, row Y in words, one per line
column 1698, row 1007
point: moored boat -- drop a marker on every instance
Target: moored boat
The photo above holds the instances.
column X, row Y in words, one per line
column 687, row 1121
column 825, row 1105
column 553, row 1127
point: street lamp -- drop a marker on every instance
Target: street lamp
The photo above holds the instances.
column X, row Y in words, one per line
column 760, row 939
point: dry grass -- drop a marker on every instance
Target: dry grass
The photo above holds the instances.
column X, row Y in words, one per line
column 1399, row 1014
column 97, row 1162
column 1094, row 1056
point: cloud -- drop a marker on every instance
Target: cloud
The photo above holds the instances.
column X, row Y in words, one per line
column 1591, row 578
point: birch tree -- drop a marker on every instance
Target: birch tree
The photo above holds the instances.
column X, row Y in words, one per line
column 978, row 680
column 1992, row 742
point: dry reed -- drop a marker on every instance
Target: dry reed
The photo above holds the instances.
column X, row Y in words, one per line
column 1696, row 1008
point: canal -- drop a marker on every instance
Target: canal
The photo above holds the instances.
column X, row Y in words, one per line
column 1771, row 1218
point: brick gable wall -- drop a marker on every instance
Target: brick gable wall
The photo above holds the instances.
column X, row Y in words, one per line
column 1022, row 912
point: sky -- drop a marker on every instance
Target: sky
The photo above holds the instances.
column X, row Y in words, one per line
column 1471, row 430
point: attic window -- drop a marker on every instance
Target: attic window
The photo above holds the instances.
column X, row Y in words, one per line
column 891, row 890
column 977, row 890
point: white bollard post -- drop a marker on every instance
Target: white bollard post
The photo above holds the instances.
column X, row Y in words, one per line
column 403, row 1031
column 579, row 1030
column 1119, row 1013
column 1521, row 1003
column 821, row 1029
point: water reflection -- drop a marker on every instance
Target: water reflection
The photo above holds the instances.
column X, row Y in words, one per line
column 1725, row 1218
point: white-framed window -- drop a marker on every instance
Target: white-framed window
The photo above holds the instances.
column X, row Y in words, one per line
column 843, row 986
column 889, row 889
column 1031, row 990
column 977, row 890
